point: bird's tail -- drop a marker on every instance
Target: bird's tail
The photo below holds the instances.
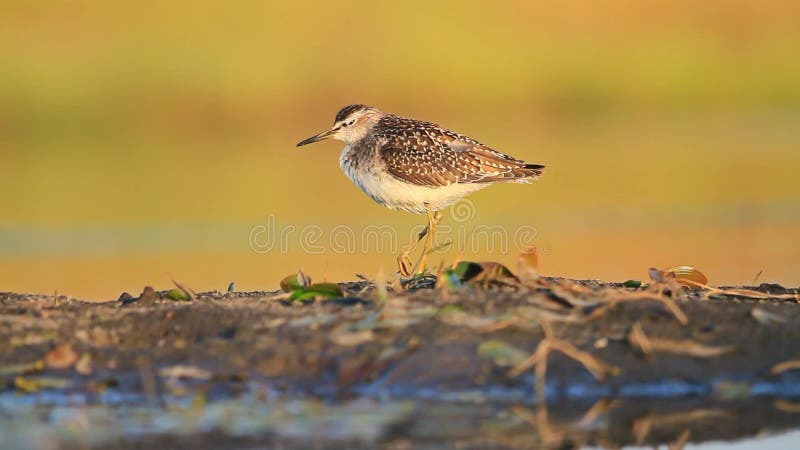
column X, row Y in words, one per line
column 534, row 169
column 527, row 172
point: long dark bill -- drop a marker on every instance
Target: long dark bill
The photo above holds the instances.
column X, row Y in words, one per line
column 316, row 138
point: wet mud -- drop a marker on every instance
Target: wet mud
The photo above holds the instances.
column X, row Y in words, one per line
column 420, row 368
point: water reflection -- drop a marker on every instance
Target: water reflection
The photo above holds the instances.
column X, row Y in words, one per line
column 258, row 418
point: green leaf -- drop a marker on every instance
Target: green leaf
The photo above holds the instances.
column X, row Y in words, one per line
column 450, row 279
column 177, row 294
column 632, row 284
column 25, row 368
column 451, row 309
column 466, row 270
column 502, row 353
column 321, row 290
column 29, row 384
column 294, row 282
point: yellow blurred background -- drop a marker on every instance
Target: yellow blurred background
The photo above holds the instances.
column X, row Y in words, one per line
column 144, row 141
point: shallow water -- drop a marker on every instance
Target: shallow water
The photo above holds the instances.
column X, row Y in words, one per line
column 259, row 416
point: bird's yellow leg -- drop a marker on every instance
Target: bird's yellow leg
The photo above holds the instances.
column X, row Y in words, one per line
column 434, row 217
column 404, row 261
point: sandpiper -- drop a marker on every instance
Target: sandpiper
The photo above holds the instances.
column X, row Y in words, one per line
column 415, row 166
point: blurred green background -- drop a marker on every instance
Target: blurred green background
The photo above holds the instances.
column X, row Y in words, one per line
column 143, row 141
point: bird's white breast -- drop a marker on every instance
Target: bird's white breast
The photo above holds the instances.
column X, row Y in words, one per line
column 386, row 189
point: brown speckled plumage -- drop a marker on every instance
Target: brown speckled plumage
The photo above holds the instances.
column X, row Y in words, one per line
column 417, row 166
column 426, row 154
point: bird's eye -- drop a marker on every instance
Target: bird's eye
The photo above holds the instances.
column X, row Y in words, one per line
column 352, row 121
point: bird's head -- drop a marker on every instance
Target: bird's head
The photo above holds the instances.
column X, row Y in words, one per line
column 352, row 123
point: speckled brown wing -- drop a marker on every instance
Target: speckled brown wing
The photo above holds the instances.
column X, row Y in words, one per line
column 425, row 154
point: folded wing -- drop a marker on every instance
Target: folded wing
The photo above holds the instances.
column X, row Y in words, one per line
column 432, row 156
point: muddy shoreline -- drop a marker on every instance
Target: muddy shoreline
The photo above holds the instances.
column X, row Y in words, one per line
column 412, row 359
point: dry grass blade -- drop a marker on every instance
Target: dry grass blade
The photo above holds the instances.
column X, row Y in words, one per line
column 381, row 289
column 786, row 406
column 189, row 292
column 657, row 275
column 694, row 416
column 442, row 247
column 767, row 318
column 639, row 339
column 498, row 325
column 185, row 372
column 758, row 275
column 304, row 279
column 681, row 441
column 643, row 425
column 792, row 364
column 597, row 410
column 528, row 264
column 688, row 347
column 571, row 285
column 368, row 284
column 624, row 296
column 276, row 297
column 396, row 285
column 648, row 345
column 531, row 360
column 351, row 338
column 598, row 368
column 562, row 435
column 364, row 278
column 538, row 359
column 525, row 414
column 541, row 372
column 641, row 428
column 552, row 436
column 748, row 293
column 569, row 296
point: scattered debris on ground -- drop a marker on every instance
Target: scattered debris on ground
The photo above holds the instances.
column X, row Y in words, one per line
column 473, row 333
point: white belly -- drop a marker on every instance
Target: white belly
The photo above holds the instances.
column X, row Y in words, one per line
column 394, row 193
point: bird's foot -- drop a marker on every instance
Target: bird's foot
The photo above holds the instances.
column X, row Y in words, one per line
column 409, row 271
column 404, row 265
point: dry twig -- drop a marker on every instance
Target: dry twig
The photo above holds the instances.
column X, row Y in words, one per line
column 643, row 425
column 538, row 360
column 792, row 364
column 624, row 296
column 748, row 293
column 683, row 346
column 681, row 441
column 786, row 406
